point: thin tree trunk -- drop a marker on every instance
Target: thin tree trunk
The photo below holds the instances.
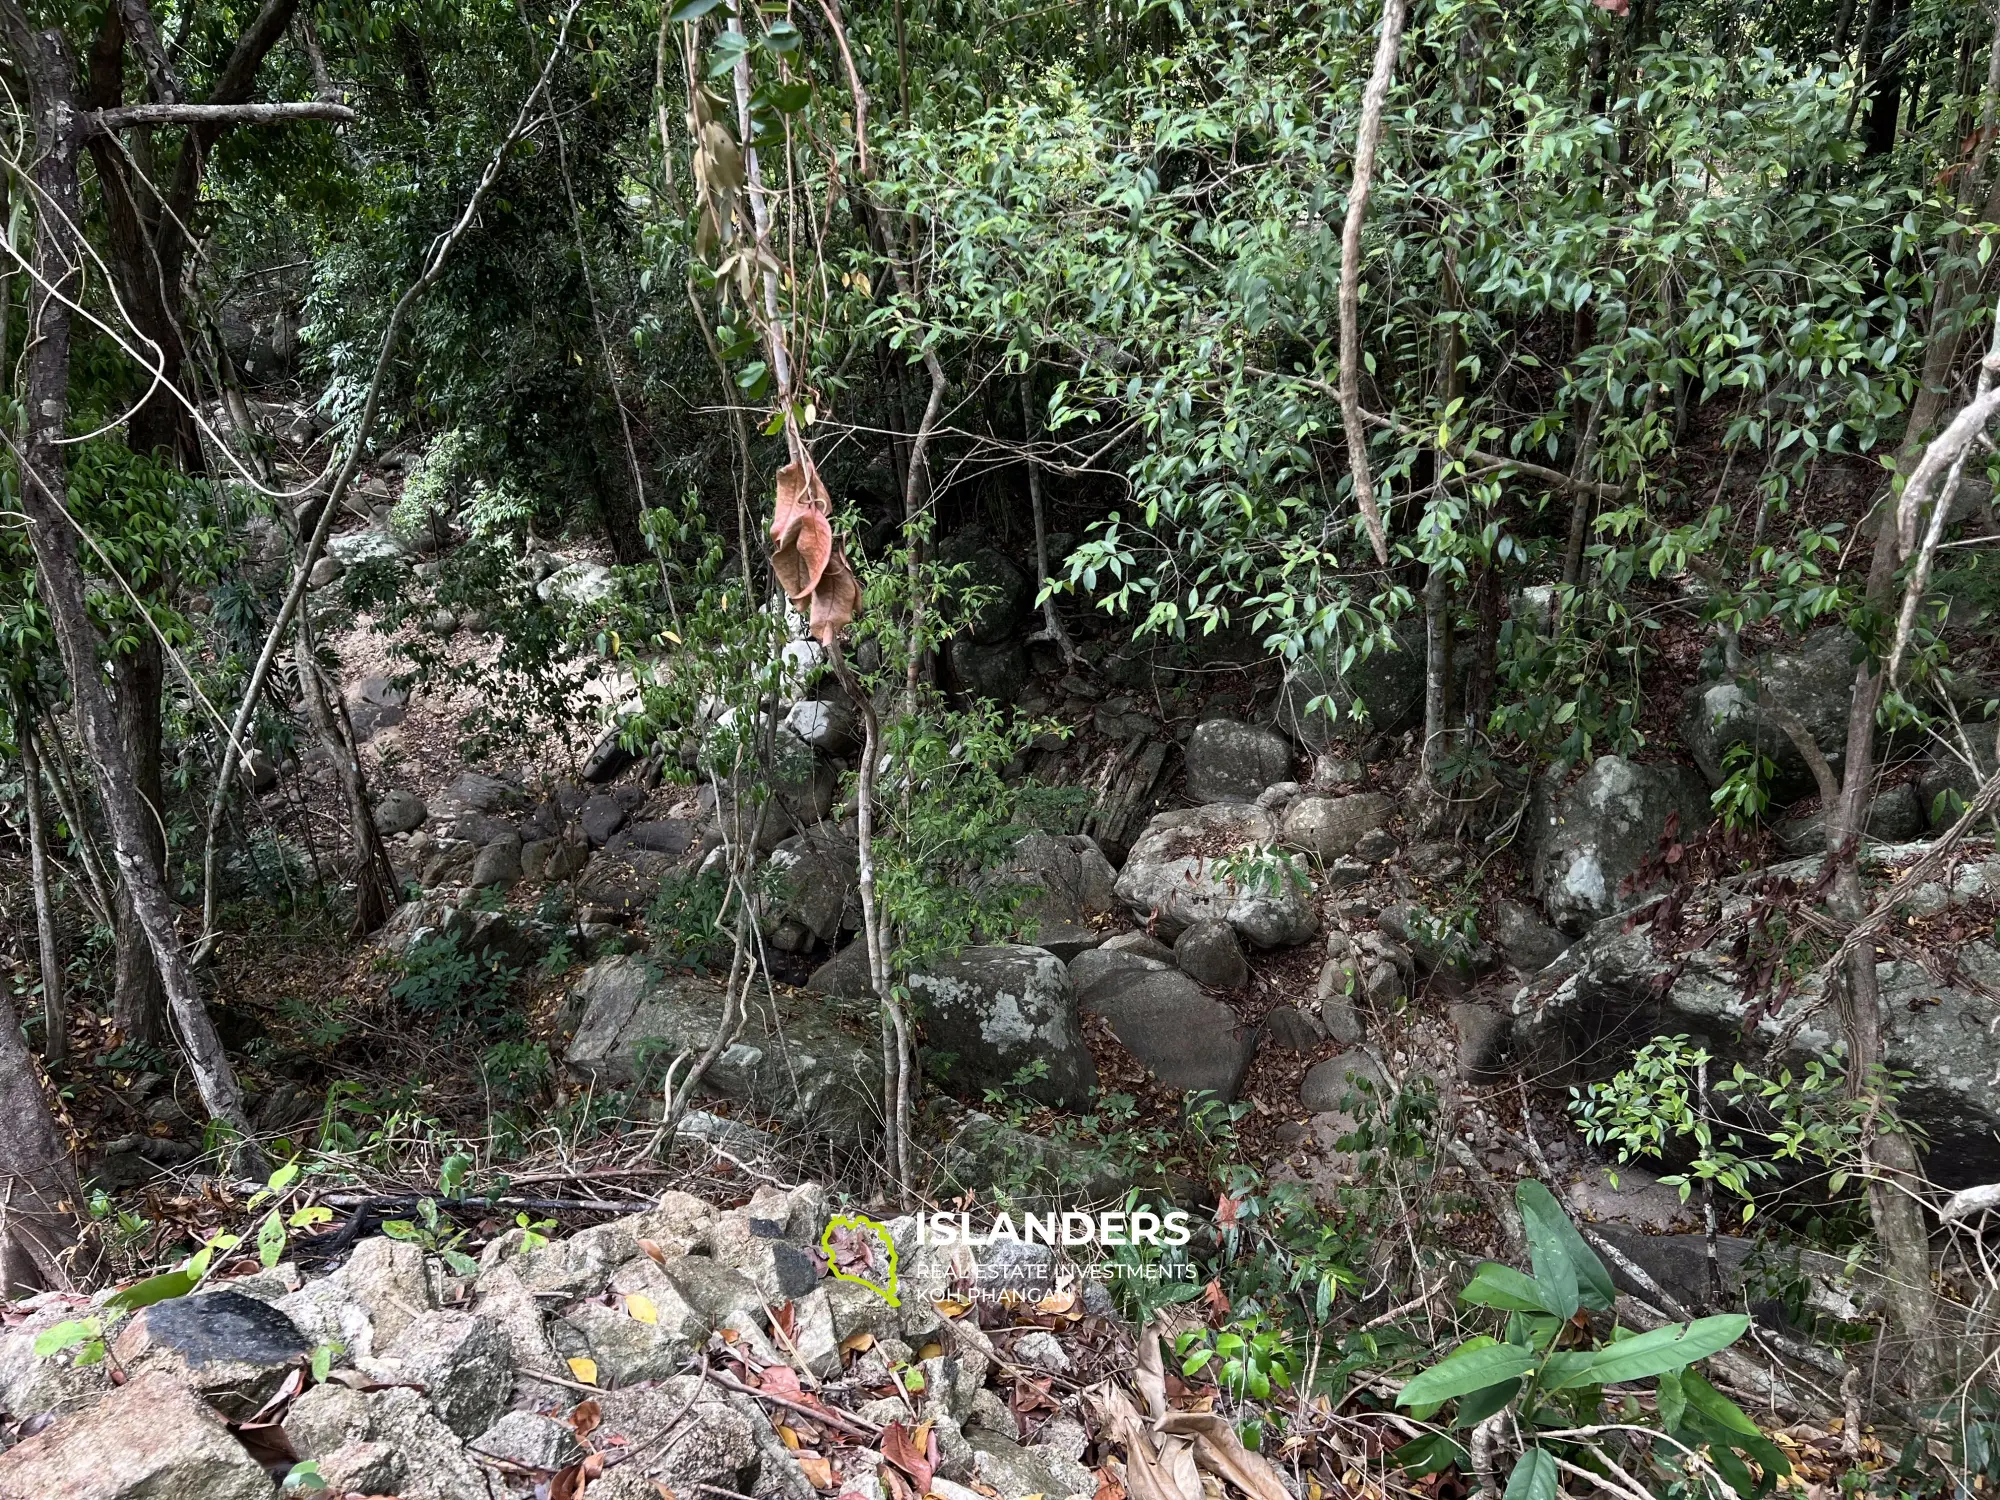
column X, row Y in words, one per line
column 1584, row 502
column 1051, row 621
column 374, row 877
column 44, row 59
column 138, row 1007
column 40, row 1232
column 1368, row 139
column 55, row 1014
column 1437, row 665
column 63, row 786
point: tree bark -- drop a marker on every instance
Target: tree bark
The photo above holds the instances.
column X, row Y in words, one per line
column 55, row 1014
column 40, row 1232
column 374, row 877
column 137, row 1000
column 45, row 61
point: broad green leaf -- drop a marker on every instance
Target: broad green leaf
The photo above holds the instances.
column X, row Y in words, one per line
column 64, row 1335
column 1561, row 1371
column 1672, row 1403
column 1495, row 1285
column 270, row 1240
column 691, row 10
column 1477, row 1407
column 1717, row 1407
column 1429, row 1454
column 1548, row 1248
column 1534, row 1477
column 1594, row 1286
column 1472, row 1366
column 1670, row 1348
column 155, row 1289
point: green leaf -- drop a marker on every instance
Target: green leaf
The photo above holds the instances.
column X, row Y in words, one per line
column 1715, row 1406
column 270, row 1240
column 691, row 10
column 1477, row 1407
column 322, row 1360
column 1430, row 1454
column 1555, row 1270
column 1534, row 1477
column 1495, row 1285
column 1672, row 1402
column 1673, row 1347
column 1538, row 1204
column 167, row 1284
column 65, row 1335
column 1472, row 1366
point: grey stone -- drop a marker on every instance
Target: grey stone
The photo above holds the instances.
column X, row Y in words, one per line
column 1291, row 1030
column 602, row 816
column 1179, row 873
column 1229, row 761
column 498, row 863
column 474, row 791
column 608, row 758
column 796, row 1062
column 462, row 1360
column 1041, row 1350
column 845, row 974
column 1327, row 1083
column 721, row 1443
column 435, row 1465
column 1074, row 890
column 1381, row 692
column 386, row 1279
column 1582, row 1019
column 830, row 726
column 1209, row 954
column 149, row 1439
column 362, row 1467
column 326, row 1417
column 1530, row 944
column 1483, row 1035
column 1637, row 1198
column 1593, row 837
column 626, row 1350
column 1328, row 827
column 992, row 594
column 400, row 811
column 1027, row 1172
column 1375, row 845
column 1433, row 945
column 1016, row 1472
column 355, row 549
column 1183, row 1038
column 1950, row 773
column 31, row 1384
column 578, row 585
column 441, row 622
column 1141, row 944
column 1001, row 1008
column 232, row 1349
column 995, row 673
column 618, row 883
column 815, row 883
column 1812, row 679
column 672, row 837
column 325, row 571
column 1893, row 818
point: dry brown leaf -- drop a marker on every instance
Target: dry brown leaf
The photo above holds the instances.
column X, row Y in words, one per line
column 1151, row 1374
column 805, row 555
column 818, row 1471
column 1218, row 1450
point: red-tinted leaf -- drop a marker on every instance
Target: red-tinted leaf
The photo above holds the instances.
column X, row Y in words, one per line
column 912, row 1450
column 585, row 1418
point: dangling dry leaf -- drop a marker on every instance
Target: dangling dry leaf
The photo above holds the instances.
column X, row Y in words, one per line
column 805, row 557
column 1150, row 1374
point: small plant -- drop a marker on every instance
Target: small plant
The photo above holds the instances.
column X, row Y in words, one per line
column 534, row 1232
column 1249, row 1362
column 1746, row 789
column 434, row 1236
column 439, row 980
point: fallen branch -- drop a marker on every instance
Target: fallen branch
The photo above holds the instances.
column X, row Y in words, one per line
column 846, row 1421
column 147, row 116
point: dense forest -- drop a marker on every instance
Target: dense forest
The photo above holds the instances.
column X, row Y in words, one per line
column 1176, row 749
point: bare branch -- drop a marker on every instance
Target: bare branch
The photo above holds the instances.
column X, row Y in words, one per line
column 149, row 116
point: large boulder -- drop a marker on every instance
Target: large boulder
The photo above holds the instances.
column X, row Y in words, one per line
column 1328, row 827
column 1217, row 861
column 1232, row 762
column 809, row 1063
column 232, row 1349
column 1813, row 679
column 995, row 671
column 1611, row 992
column 1382, row 690
column 1594, row 836
column 990, row 593
column 814, row 892
column 1073, row 889
column 1159, row 1015
column 1000, row 1010
column 150, row 1439
column 1893, row 818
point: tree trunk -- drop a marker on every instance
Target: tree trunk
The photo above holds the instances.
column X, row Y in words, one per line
column 1437, row 667
column 39, row 1229
column 374, row 877
column 44, row 59
column 137, row 1001
column 55, row 1015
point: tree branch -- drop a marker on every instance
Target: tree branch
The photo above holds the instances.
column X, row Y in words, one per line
column 149, row 116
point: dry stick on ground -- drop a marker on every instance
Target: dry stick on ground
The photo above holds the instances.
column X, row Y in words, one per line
column 44, row 59
column 440, row 250
column 1373, row 98
column 55, row 1016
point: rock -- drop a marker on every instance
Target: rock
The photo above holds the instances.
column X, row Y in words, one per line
column 602, row 816
column 1582, row 1018
column 720, row 1445
column 994, row 673
column 1232, row 762
column 1179, row 872
column 1327, row 1083
column 1342, row 981
column 259, row 771
column 1483, row 1035
column 1018, row 1472
column 1026, row 1172
column 400, row 811
column 325, row 571
column 1162, row 1018
column 30, row 1384
column 373, row 704
column 1750, row 1269
column 231, row 1349
column 1328, row 827
column 1950, row 773
column 578, row 585
column 326, row 1417
column 1209, row 954
column 815, row 886
column 829, row 726
column 434, row 1465
column 149, row 1439
column 1041, row 1350
column 1637, row 1198
column 627, row 1351
column 608, row 758
column 356, row 549
column 362, row 1468
column 1291, row 1030
column 1074, row 886
column 620, row 883
column 1894, row 817
column 463, row 1361
column 1383, row 690
column 530, row 1440
column 1530, row 944
column 1434, row 946
column 1140, row 945
column 1001, row 1009
column 1593, row 837
column 387, row 1280
column 990, row 593
column 797, row 1063
column 1812, row 679
column 441, row 622
column 846, row 974
column 498, row 863
column 1374, row 845
column 473, row 791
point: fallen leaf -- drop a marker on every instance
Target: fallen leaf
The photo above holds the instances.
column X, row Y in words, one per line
column 1057, row 1303
column 788, row 1437
column 584, row 1370
column 640, row 1307
column 1108, row 1487
column 1215, row 1299
column 1218, row 1450
column 784, row 1320
column 951, row 1307
column 658, row 1255
column 912, row 1450
column 1150, row 1374
column 857, row 1343
column 781, row 1380
column 818, row 1471
column 930, row 1351
column 1226, row 1209
column 585, row 1418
